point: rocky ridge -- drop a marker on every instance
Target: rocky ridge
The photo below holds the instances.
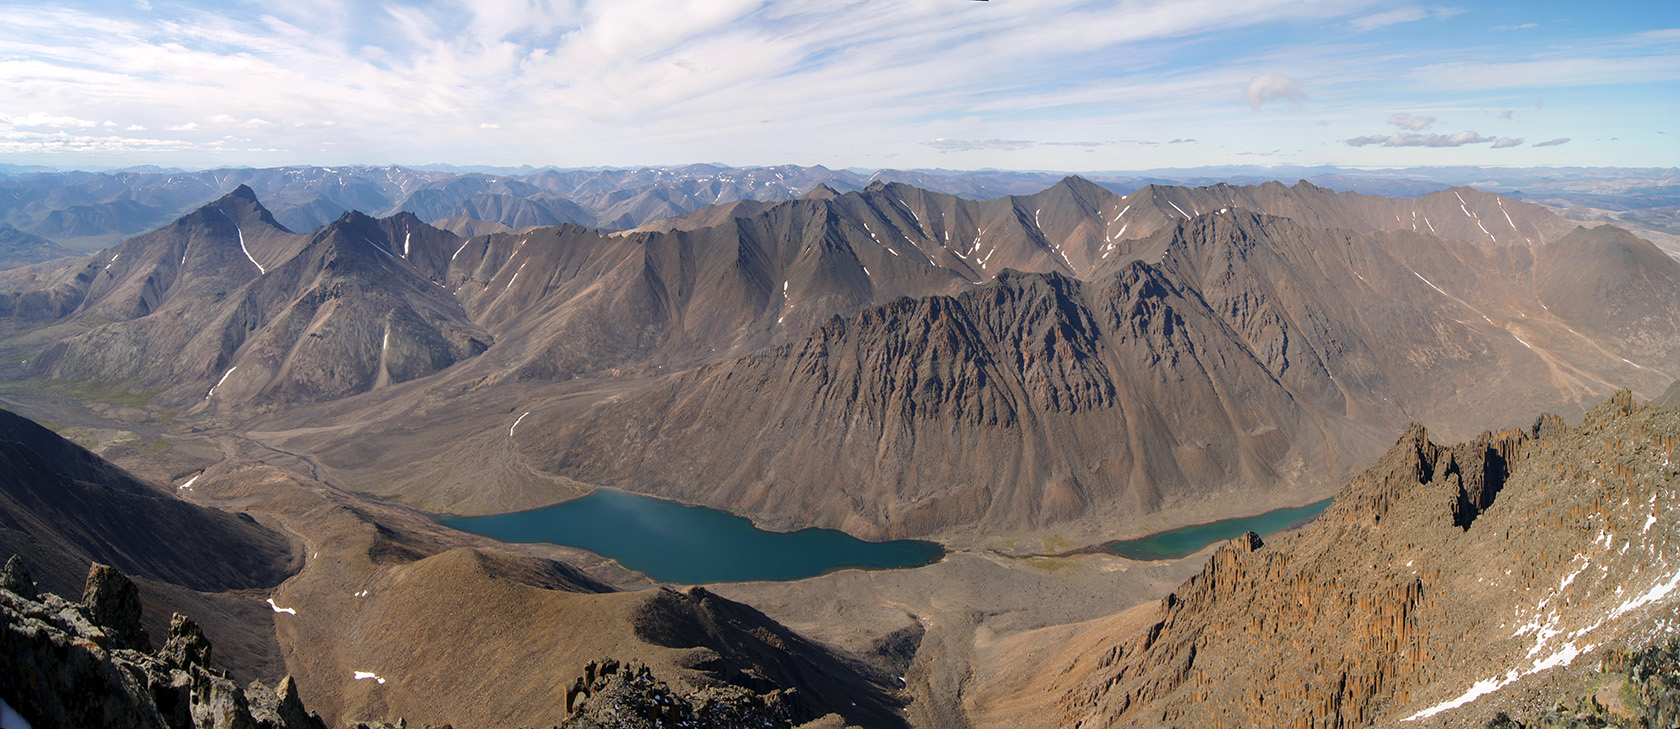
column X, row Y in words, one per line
column 1450, row 581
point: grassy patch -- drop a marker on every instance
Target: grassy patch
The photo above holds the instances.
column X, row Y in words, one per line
column 1051, row 564
column 1055, row 543
column 114, row 393
column 158, row 447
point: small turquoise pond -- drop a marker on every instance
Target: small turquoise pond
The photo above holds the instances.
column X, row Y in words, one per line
column 1189, row 540
column 693, row 545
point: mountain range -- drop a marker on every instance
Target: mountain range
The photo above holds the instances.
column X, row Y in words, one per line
column 1017, row 377
column 1004, row 364
column 88, row 210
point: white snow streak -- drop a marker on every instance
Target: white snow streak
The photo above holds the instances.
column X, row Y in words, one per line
column 1473, row 217
column 516, row 423
column 279, row 609
column 247, row 250
column 1507, row 215
column 1431, row 285
column 515, row 277
column 368, row 674
column 1657, row 592
column 1477, row 690
column 219, row 382
column 1179, row 209
column 190, row 482
column 406, row 236
column 458, row 250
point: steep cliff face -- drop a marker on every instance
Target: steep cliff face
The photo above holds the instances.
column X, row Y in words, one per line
column 1032, row 400
column 1439, row 576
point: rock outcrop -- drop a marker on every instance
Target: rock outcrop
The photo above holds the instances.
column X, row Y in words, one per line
column 628, row 696
column 1640, row 689
column 1508, row 557
column 89, row 664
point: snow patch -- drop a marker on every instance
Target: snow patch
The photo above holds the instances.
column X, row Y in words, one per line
column 516, row 423
column 1657, row 592
column 1179, row 209
column 368, row 674
column 247, row 250
column 219, row 382
column 189, row 482
column 1477, row 690
column 1432, row 285
column 278, row 609
column 1507, row 215
column 406, row 236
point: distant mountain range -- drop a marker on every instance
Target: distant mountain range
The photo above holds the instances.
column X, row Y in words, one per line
column 88, row 210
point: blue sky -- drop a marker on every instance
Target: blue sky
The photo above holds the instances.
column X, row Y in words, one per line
column 1020, row 84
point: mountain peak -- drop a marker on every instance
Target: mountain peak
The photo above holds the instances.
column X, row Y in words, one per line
column 821, row 192
column 243, row 192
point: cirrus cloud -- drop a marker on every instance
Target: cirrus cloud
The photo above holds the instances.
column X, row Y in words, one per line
column 1552, row 142
column 1411, row 139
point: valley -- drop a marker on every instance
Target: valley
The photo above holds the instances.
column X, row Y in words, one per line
column 1007, row 386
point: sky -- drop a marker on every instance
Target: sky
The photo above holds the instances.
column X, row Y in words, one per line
column 1073, row 85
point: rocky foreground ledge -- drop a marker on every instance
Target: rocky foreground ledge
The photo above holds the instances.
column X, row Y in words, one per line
column 90, row 664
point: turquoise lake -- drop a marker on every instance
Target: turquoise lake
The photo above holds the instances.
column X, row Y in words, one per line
column 693, row 545
column 1186, row 541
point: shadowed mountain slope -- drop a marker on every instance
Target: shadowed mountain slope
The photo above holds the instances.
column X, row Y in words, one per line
column 63, row 508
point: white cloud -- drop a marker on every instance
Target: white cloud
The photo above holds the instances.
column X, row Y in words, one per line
column 222, row 119
column 1410, row 139
column 1413, row 123
column 1506, row 142
column 134, row 128
column 1271, row 87
column 489, row 125
column 187, row 127
column 1552, row 142
column 1524, row 26
column 41, row 119
column 27, row 142
column 254, row 123
column 1405, row 14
